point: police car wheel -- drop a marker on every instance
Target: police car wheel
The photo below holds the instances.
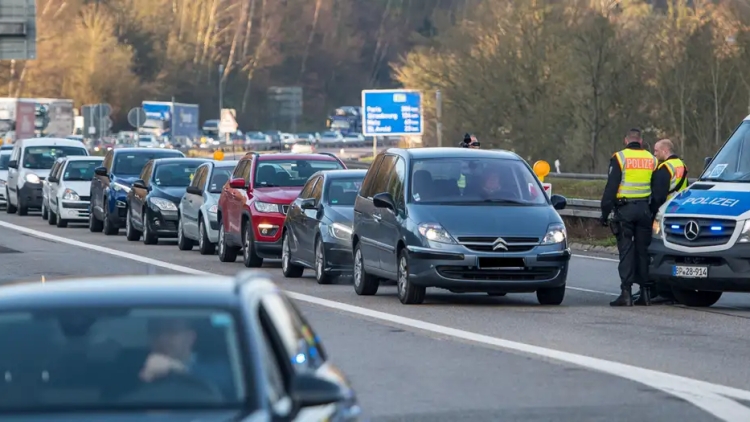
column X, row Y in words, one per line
column 696, row 298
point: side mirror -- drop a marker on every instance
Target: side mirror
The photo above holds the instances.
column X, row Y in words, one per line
column 308, row 204
column 706, row 162
column 558, row 202
column 193, row 190
column 101, row 171
column 384, row 200
column 140, row 184
column 53, row 179
column 13, row 164
column 309, row 390
column 237, row 184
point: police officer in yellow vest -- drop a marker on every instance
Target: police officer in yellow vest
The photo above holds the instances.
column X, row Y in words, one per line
column 671, row 176
column 628, row 193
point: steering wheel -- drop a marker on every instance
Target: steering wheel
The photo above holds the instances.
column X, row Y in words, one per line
column 184, row 387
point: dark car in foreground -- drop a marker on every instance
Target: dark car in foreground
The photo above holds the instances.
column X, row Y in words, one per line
column 153, row 200
column 460, row 219
column 318, row 227
column 174, row 348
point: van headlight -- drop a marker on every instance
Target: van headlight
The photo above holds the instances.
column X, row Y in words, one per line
column 435, row 233
column 70, row 195
column 340, row 231
column 163, row 204
column 745, row 234
column 32, row 178
column 555, row 234
column 656, row 226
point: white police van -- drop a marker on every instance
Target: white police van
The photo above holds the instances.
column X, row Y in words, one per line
column 701, row 238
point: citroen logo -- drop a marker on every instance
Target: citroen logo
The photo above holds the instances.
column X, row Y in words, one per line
column 499, row 243
column 692, row 230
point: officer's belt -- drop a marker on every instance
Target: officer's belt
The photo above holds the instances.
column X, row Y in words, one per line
column 624, row 201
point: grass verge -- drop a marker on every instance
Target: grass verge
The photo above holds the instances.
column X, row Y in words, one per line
column 581, row 189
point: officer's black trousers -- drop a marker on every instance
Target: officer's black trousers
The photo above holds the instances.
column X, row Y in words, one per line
column 634, row 220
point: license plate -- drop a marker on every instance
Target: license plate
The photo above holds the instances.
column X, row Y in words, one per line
column 689, row 272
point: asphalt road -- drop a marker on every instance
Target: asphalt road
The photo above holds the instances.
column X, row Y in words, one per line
column 469, row 357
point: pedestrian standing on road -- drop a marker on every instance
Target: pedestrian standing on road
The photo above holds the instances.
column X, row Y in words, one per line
column 628, row 194
column 671, row 176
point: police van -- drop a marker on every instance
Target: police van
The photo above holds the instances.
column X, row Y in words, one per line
column 701, row 237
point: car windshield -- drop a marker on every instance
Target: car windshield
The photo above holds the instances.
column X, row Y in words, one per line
column 256, row 136
column 131, row 163
column 288, row 173
column 89, row 359
column 303, row 143
column 329, row 135
column 219, row 178
column 304, row 135
column 732, row 162
column 339, row 124
column 43, row 157
column 4, row 160
column 343, row 192
column 81, row 170
column 470, row 181
column 175, row 175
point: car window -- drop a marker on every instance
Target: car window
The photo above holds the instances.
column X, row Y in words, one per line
column 53, row 170
column 219, row 178
column 108, row 160
column 146, row 172
column 4, row 160
column 246, row 171
column 131, row 163
column 202, row 177
column 343, row 192
column 396, row 182
column 317, row 190
column 93, row 359
column 43, row 157
column 366, row 190
column 80, row 170
column 196, row 179
column 178, row 174
column 307, row 190
column 380, row 183
column 291, row 172
column 474, row 180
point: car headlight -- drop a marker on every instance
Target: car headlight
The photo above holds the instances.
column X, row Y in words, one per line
column 120, row 187
column 32, row 178
column 340, row 231
column 435, row 233
column 163, row 204
column 745, row 234
column 2, row 182
column 70, row 195
column 555, row 234
column 266, row 207
column 214, row 208
column 656, row 227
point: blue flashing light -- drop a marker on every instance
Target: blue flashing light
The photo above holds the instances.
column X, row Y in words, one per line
column 715, row 228
column 300, row 358
column 676, row 226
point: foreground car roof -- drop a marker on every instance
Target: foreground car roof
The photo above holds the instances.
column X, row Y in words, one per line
column 345, row 174
column 457, row 152
column 286, row 157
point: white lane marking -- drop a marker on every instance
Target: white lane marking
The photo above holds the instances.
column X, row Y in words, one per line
column 581, row 289
column 598, row 258
column 712, row 398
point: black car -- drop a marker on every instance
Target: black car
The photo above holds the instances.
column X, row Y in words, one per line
column 465, row 220
column 237, row 349
column 112, row 183
column 318, row 226
column 154, row 198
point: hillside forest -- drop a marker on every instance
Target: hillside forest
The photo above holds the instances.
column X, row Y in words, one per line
column 549, row 79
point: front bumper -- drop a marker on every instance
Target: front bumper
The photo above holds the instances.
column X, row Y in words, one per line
column 211, row 225
column 728, row 270
column 163, row 223
column 267, row 229
column 3, row 199
column 73, row 210
column 271, row 250
column 118, row 209
column 460, row 272
column 338, row 257
column 30, row 195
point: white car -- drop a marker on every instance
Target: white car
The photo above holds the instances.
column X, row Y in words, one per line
column 287, row 140
column 4, row 158
column 68, row 188
column 303, row 147
column 331, row 139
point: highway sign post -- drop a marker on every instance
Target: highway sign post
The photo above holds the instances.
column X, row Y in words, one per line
column 96, row 117
column 136, row 117
column 392, row 112
column 228, row 123
column 17, row 29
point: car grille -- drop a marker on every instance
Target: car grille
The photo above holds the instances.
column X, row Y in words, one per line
column 284, row 209
column 473, row 273
column 85, row 198
column 713, row 232
column 487, row 243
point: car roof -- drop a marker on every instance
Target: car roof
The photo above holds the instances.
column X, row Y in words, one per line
column 344, row 174
column 292, row 156
column 450, row 152
column 82, row 158
column 114, row 291
column 180, row 160
column 222, row 164
column 146, row 150
column 35, row 142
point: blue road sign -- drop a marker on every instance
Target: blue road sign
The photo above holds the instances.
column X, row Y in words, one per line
column 391, row 112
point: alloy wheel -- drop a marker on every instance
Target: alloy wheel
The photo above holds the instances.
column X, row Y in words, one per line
column 285, row 253
column 221, row 240
column 402, row 276
column 319, row 261
column 357, row 268
column 202, row 233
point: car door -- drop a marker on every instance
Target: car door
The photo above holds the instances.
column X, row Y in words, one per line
column 46, row 197
column 236, row 201
column 366, row 227
column 192, row 202
column 138, row 197
column 295, row 220
column 13, row 173
column 53, row 186
column 392, row 220
column 310, row 219
column 99, row 184
column 375, row 239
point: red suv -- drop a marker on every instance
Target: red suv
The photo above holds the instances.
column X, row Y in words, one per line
column 254, row 203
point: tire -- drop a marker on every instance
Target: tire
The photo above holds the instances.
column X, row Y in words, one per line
column 551, row 296
column 183, row 242
column 149, row 238
column 61, row 223
column 205, row 247
column 45, row 214
column 321, row 276
column 226, row 253
column 696, row 298
column 131, row 233
column 364, row 284
column 22, row 209
column 107, row 226
column 408, row 293
column 249, row 257
column 287, row 268
column 10, row 208
column 52, row 218
column 95, row 226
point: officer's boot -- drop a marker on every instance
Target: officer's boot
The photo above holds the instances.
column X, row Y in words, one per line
column 644, row 298
column 625, row 298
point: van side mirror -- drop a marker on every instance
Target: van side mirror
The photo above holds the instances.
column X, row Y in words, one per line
column 706, row 162
column 13, row 164
column 140, row 184
column 101, row 171
column 559, row 202
column 384, row 200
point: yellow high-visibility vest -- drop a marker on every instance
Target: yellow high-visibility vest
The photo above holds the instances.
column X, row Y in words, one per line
column 677, row 176
column 637, row 166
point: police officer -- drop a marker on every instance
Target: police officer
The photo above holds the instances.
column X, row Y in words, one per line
column 470, row 141
column 628, row 192
column 671, row 176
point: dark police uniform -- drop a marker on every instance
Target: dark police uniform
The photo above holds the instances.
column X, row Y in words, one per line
column 628, row 192
column 670, row 178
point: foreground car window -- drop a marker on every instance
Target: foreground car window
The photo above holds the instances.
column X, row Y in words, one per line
column 81, row 170
column 177, row 175
column 474, row 181
column 78, row 359
column 219, row 178
column 132, row 164
column 43, row 158
column 343, row 192
column 290, row 173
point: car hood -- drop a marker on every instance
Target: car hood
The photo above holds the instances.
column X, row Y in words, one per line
column 343, row 215
column 125, row 180
column 489, row 220
column 140, row 416
column 80, row 187
column 277, row 195
column 3, row 174
column 173, row 194
column 43, row 173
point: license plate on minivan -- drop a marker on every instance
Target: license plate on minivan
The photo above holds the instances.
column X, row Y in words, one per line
column 689, row 272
